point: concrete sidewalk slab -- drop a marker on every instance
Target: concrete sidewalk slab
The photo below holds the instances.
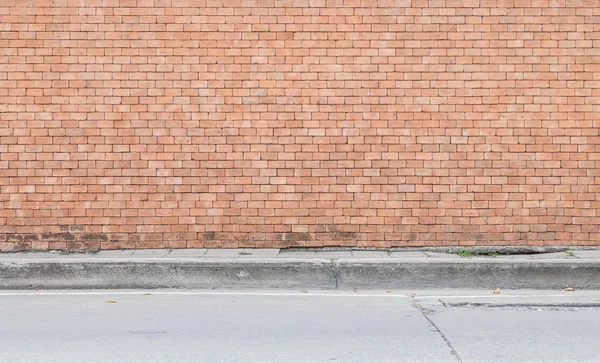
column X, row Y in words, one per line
column 335, row 255
column 587, row 254
column 297, row 255
column 157, row 253
column 224, row 253
column 111, row 254
column 553, row 255
column 271, row 268
column 442, row 255
column 188, row 253
column 371, row 254
column 410, row 255
column 249, row 253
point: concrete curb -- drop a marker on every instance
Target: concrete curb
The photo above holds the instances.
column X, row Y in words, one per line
column 552, row 274
column 165, row 274
column 298, row 274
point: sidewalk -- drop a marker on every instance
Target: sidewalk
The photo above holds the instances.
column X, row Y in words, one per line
column 288, row 269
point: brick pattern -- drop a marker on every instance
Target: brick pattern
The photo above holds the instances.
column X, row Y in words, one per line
column 276, row 123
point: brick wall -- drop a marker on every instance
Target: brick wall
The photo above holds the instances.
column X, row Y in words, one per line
column 276, row 123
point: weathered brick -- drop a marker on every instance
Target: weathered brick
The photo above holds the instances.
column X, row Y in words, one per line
column 178, row 123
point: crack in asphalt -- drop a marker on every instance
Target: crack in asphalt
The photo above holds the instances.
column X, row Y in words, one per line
column 442, row 335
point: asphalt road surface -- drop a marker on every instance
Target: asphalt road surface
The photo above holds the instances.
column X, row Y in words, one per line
column 297, row 326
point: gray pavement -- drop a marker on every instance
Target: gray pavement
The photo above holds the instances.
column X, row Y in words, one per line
column 312, row 326
column 532, row 327
column 320, row 269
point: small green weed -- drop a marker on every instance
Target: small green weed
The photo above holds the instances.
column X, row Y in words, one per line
column 466, row 253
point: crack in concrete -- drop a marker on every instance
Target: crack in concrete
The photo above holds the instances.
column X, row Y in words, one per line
column 335, row 271
column 442, row 335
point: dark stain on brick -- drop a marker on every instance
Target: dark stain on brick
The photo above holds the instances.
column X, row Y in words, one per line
column 427, row 236
column 57, row 237
column 64, row 228
column 31, row 237
column 94, row 246
column 89, row 237
column 290, row 243
column 171, row 237
column 331, row 228
column 212, row 244
column 411, row 237
column 75, row 228
column 254, row 237
column 66, row 237
column 495, row 236
column 547, row 236
column 14, row 237
column 118, row 237
column 297, row 236
column 209, row 236
column 344, row 235
column 327, row 228
column 75, row 246
column 477, row 236
column 153, row 237
column 22, row 246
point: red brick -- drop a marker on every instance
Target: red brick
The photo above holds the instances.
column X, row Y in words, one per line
column 178, row 123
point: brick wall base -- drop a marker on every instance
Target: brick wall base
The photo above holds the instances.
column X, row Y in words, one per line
column 278, row 123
